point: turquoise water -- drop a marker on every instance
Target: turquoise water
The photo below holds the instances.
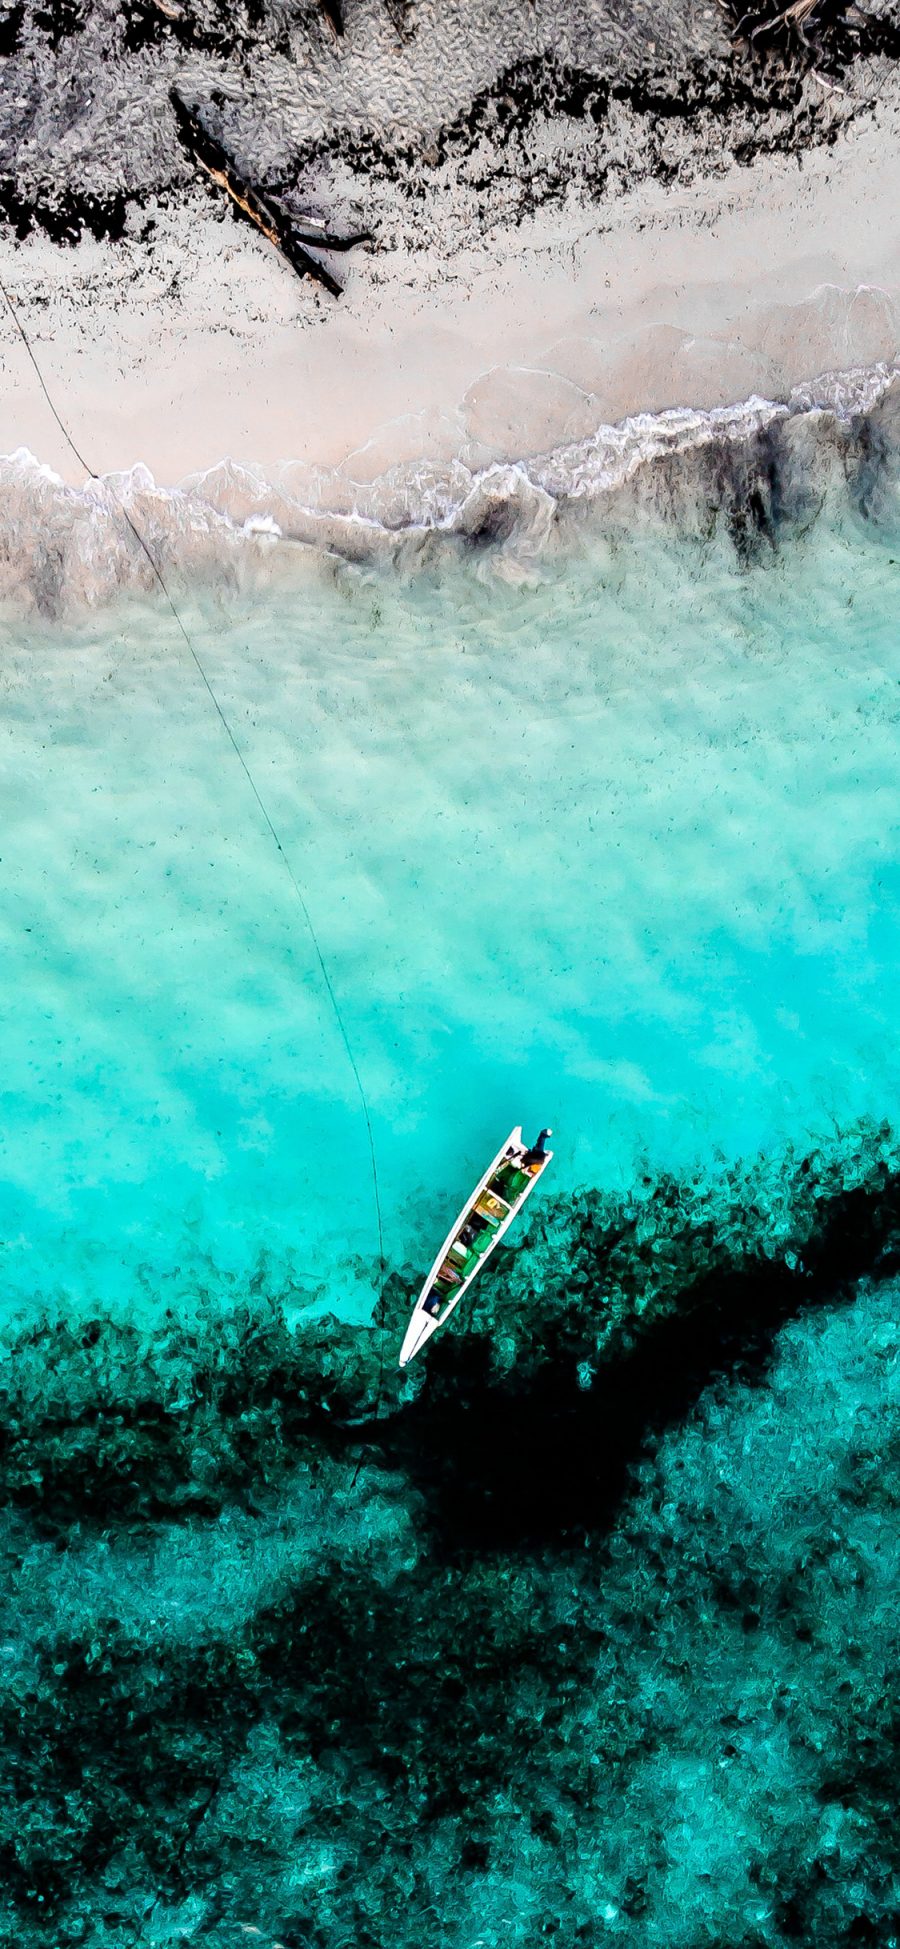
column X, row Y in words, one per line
column 615, row 851
column 586, row 1630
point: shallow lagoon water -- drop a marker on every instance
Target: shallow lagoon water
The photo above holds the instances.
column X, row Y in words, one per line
column 614, row 850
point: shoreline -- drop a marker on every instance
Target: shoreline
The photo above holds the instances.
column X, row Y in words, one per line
column 756, row 473
column 202, row 345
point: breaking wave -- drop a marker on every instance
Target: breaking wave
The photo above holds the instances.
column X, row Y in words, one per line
column 753, row 472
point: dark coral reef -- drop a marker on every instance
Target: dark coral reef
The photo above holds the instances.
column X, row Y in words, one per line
column 597, row 1642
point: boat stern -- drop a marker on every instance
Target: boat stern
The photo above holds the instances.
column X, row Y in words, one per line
column 420, row 1329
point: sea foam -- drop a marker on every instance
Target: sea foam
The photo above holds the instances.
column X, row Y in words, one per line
column 757, row 469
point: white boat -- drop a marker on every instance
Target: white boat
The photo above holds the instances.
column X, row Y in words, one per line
column 486, row 1215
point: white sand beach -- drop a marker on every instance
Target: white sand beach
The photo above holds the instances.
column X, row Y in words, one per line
column 203, row 344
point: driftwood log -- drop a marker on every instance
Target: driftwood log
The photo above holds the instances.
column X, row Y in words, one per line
column 289, row 237
column 802, row 28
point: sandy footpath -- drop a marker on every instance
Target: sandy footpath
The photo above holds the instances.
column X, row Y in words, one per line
column 203, row 344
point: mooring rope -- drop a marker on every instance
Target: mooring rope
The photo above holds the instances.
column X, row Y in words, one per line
column 266, row 816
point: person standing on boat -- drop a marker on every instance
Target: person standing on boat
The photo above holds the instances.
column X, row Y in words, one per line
column 536, row 1154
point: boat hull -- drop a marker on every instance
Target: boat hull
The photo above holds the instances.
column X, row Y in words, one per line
column 426, row 1319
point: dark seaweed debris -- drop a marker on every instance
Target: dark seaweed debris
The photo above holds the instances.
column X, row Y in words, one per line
column 827, row 33
column 64, row 218
column 493, row 137
column 516, row 139
column 59, row 19
column 11, row 19
column 231, row 32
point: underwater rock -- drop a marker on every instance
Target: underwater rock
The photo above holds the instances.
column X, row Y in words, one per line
column 295, row 1717
column 605, row 1325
